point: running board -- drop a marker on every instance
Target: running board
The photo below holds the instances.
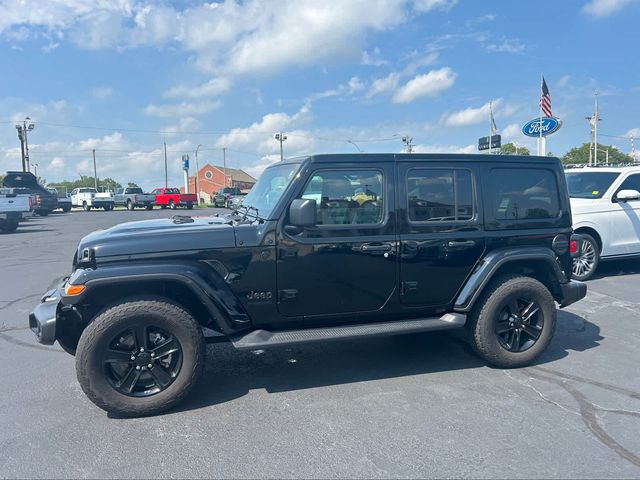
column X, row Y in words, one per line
column 264, row 338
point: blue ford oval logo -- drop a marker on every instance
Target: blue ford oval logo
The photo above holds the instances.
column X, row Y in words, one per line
column 548, row 125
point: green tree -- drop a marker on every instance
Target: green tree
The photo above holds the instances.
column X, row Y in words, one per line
column 581, row 155
column 87, row 181
column 1, row 179
column 133, row 185
column 511, row 149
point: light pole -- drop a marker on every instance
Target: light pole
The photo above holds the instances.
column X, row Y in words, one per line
column 197, row 173
column 26, row 126
column 280, row 137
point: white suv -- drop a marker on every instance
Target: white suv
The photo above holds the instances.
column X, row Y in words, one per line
column 605, row 204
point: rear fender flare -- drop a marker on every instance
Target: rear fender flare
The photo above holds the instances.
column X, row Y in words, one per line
column 487, row 269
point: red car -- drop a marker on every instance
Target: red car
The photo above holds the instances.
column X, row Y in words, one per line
column 172, row 198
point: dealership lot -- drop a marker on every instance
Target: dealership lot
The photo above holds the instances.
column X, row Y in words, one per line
column 412, row 406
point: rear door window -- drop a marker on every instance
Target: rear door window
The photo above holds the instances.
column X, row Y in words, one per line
column 437, row 195
column 524, row 194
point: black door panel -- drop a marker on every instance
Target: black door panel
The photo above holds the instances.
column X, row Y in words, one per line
column 440, row 232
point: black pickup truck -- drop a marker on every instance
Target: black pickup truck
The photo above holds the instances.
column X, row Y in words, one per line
column 25, row 182
column 325, row 247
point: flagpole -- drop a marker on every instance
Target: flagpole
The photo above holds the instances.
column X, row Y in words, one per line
column 490, row 127
column 540, row 149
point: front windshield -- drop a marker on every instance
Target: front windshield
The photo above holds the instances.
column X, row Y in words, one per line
column 589, row 184
column 267, row 191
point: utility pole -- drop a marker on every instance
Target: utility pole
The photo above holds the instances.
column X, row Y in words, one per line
column 95, row 171
column 35, row 170
column 197, row 174
column 407, row 141
column 633, row 150
column 224, row 164
column 26, row 126
column 166, row 178
column 595, row 132
column 280, row 137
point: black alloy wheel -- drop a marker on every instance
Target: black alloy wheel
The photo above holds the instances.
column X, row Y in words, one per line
column 142, row 361
column 519, row 324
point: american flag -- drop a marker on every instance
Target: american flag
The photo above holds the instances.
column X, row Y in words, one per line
column 545, row 100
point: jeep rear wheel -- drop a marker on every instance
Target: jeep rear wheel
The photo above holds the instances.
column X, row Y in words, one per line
column 513, row 322
column 140, row 357
column 587, row 259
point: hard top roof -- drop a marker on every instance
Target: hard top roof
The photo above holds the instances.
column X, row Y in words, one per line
column 419, row 157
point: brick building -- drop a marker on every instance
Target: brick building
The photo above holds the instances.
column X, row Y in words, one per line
column 211, row 178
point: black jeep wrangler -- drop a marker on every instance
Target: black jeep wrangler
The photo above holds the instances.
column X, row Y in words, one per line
column 325, row 247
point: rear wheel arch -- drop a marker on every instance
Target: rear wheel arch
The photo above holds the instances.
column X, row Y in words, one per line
column 593, row 233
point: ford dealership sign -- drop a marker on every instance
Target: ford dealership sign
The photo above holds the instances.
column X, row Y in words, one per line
column 548, row 125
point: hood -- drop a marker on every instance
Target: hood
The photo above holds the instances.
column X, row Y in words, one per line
column 581, row 206
column 166, row 235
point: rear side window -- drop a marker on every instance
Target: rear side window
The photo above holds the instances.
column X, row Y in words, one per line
column 523, row 194
column 436, row 195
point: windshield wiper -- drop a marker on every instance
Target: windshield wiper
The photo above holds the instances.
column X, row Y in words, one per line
column 247, row 213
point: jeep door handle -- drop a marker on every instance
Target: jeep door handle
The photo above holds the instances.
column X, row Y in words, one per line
column 467, row 243
column 383, row 247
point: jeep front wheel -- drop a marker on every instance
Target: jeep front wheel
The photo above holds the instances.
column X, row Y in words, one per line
column 140, row 357
column 513, row 322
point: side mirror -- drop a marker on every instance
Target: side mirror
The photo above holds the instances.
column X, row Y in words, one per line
column 626, row 195
column 302, row 212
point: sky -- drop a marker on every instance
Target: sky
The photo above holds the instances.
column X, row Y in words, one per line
column 336, row 76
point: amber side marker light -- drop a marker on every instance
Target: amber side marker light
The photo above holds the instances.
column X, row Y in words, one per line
column 74, row 289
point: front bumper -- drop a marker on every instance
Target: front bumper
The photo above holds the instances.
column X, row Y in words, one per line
column 42, row 320
column 572, row 291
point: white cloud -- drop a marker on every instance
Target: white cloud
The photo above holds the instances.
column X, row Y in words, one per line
column 445, row 149
column 356, row 85
column 506, row 45
column 103, row 92
column 373, row 59
column 423, row 61
column 182, row 109
column 564, row 81
column 212, row 88
column 184, row 125
column 604, row 8
column 427, row 85
column 635, row 133
column 428, row 5
column 50, row 47
column 382, row 85
column 471, row 116
column 57, row 163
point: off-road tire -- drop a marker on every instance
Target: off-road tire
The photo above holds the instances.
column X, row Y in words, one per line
column 481, row 321
column 160, row 312
column 586, row 238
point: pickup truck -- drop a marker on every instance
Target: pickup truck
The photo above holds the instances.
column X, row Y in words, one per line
column 227, row 196
column 12, row 208
column 132, row 197
column 27, row 183
column 172, row 198
column 64, row 200
column 88, row 198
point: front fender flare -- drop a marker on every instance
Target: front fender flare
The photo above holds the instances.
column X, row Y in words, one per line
column 206, row 283
column 485, row 271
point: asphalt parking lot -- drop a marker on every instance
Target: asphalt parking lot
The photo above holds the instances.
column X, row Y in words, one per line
column 412, row 406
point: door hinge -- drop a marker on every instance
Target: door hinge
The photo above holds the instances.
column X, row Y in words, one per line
column 406, row 287
column 284, row 295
